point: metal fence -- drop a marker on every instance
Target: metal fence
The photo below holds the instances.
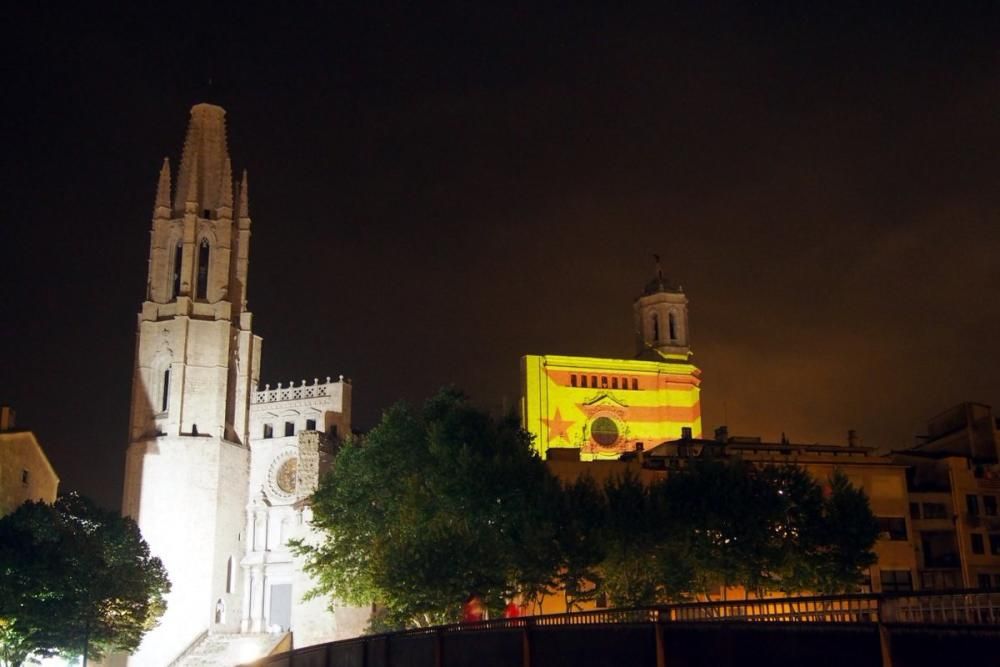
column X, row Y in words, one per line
column 966, row 608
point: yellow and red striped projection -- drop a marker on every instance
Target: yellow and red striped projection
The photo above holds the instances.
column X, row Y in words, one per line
column 604, row 407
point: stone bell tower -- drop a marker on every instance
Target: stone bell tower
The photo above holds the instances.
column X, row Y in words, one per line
column 196, row 364
column 661, row 320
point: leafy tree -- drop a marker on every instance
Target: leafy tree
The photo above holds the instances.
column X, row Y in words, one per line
column 75, row 580
column 847, row 536
column 581, row 541
column 629, row 569
column 431, row 507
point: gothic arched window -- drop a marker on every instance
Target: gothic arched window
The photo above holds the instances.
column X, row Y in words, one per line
column 203, row 257
column 672, row 322
column 176, row 282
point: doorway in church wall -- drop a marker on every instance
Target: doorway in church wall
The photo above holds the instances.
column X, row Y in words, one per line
column 281, row 606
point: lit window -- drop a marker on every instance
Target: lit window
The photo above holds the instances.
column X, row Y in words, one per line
column 289, row 428
column 977, row 543
column 268, row 431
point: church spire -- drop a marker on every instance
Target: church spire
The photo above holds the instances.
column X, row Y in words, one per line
column 244, row 197
column 162, row 206
column 203, row 160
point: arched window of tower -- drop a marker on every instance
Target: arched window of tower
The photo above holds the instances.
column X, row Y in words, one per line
column 656, row 327
column 175, row 288
column 672, row 321
column 204, row 251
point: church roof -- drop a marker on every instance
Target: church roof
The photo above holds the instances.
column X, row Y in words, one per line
column 660, row 284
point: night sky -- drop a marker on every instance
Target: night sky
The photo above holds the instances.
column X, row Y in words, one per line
column 436, row 192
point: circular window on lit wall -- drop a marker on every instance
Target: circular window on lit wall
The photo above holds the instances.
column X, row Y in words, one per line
column 604, row 431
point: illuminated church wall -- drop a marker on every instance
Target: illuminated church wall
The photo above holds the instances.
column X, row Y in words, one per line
column 604, row 407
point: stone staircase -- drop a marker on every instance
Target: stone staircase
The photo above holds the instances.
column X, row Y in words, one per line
column 229, row 650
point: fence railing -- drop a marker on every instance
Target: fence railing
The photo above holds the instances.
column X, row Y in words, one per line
column 938, row 608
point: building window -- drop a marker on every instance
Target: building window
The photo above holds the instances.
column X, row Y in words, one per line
column 672, row 322
column 572, row 379
column 165, row 392
column 289, row 428
column 178, row 258
column 972, row 504
column 268, row 431
column 914, row 510
column 935, row 511
column 24, row 477
column 614, row 383
column 990, row 505
column 310, row 424
column 604, row 381
column 583, row 380
column 635, row 384
column 896, row 580
column 894, row 527
column 593, row 381
column 332, row 432
column 624, row 383
column 977, row 543
column 984, row 581
column 656, row 327
column 203, row 256
column 229, row 575
column 995, row 544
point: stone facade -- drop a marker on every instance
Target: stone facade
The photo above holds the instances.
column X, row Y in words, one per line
column 215, row 495
column 25, row 471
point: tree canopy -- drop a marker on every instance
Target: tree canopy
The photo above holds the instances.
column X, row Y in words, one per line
column 75, row 580
column 437, row 504
column 431, row 507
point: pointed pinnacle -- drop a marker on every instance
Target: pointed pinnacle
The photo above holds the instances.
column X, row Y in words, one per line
column 244, row 197
column 163, row 187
